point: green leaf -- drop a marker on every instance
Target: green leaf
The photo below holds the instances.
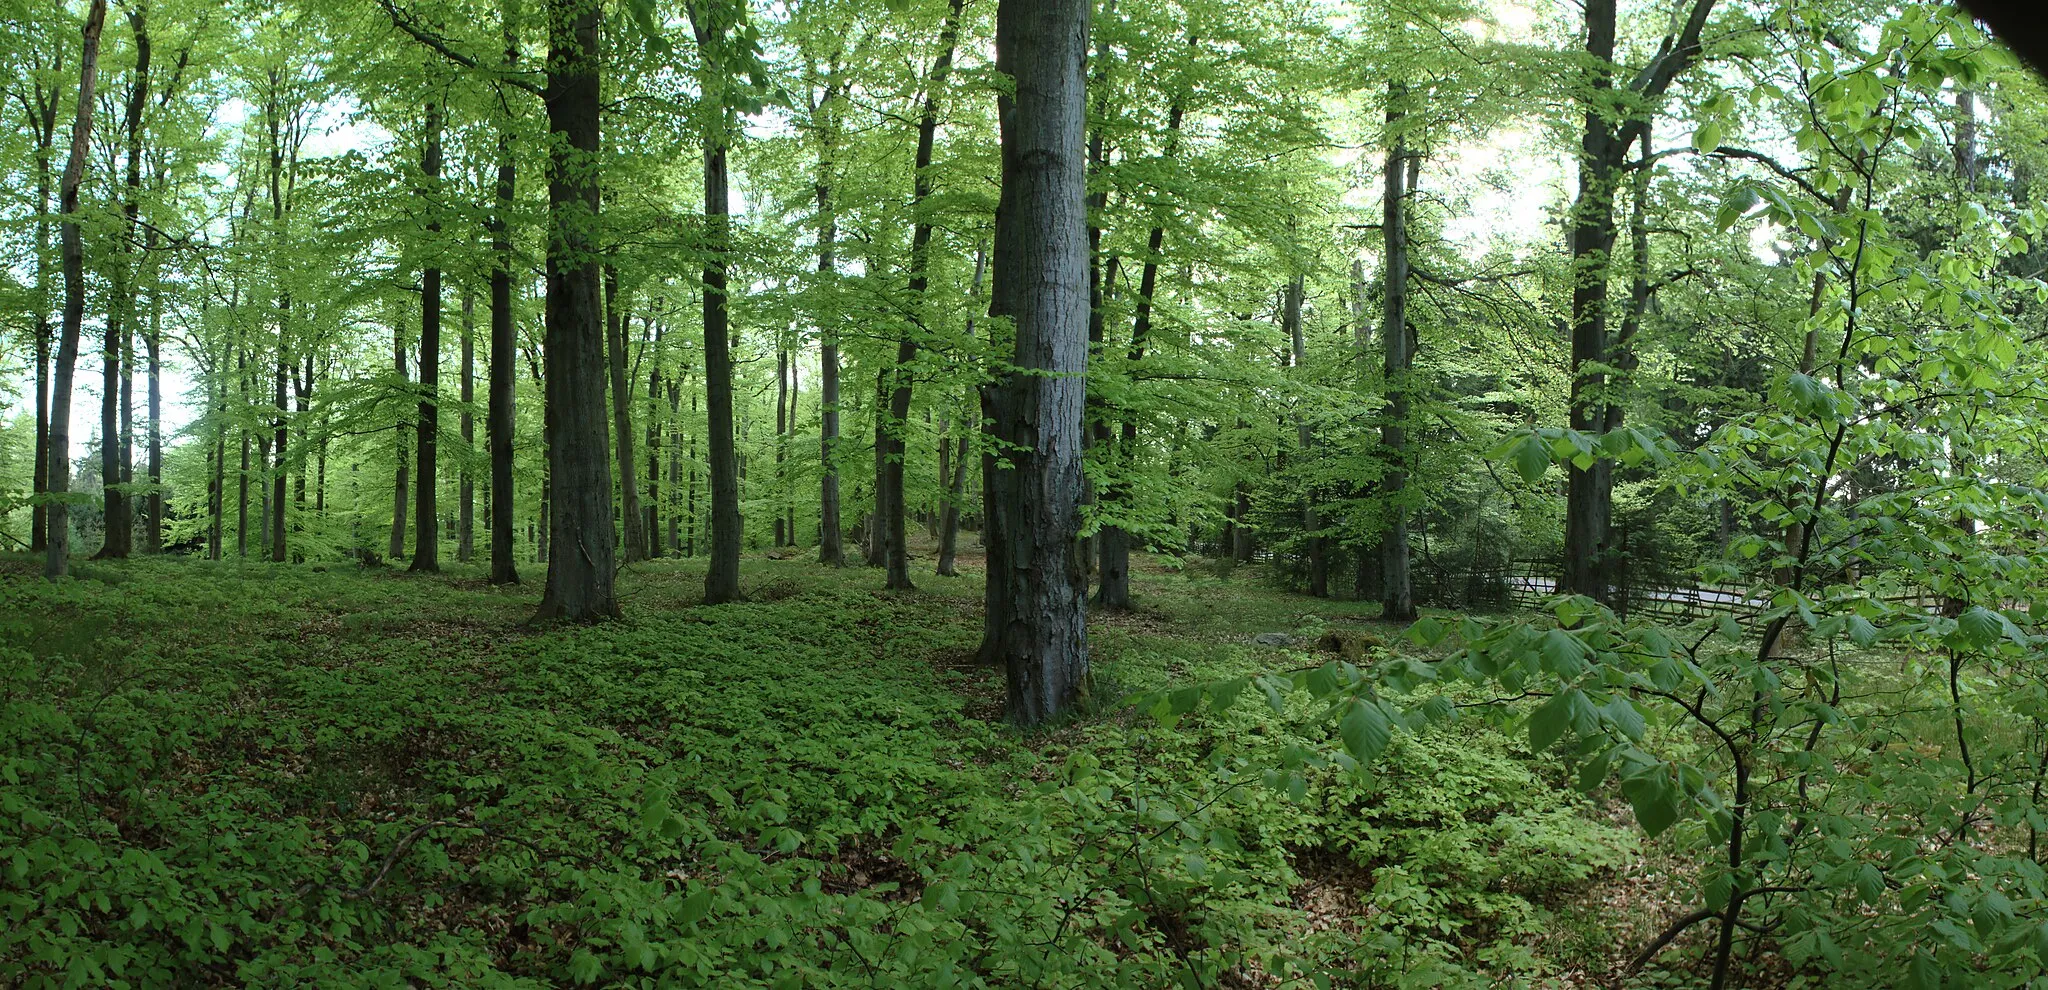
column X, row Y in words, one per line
column 1861, row 632
column 1365, row 730
column 1707, row 138
column 1650, row 794
column 1548, row 722
column 1980, row 627
column 1532, row 458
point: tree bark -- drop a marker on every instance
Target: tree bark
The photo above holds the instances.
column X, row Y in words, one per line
column 1311, row 517
column 889, row 485
column 652, row 334
column 504, row 367
column 426, row 550
column 400, row 479
column 1589, row 501
column 42, row 121
column 152, row 342
column 1036, row 599
column 1114, row 591
column 634, row 534
column 722, row 578
column 831, row 548
column 956, row 491
column 580, row 570
column 120, row 524
column 56, row 558
column 1397, row 601
column 465, row 489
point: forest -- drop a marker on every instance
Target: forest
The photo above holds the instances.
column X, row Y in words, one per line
column 1078, row 494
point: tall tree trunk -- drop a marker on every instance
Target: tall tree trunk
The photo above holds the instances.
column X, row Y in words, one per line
column 890, row 485
column 1311, row 516
column 1397, row 600
column 579, row 583
column 504, row 367
column 675, row 459
column 242, row 473
column 56, row 559
column 120, row 525
column 1589, row 501
column 722, row 578
column 831, row 549
column 426, row 548
column 217, row 456
column 42, row 121
column 1036, row 599
column 956, row 491
column 274, row 517
column 690, row 505
column 782, row 533
column 653, row 335
column 1115, row 588
column 400, row 479
column 152, row 342
column 465, row 492
column 633, row 524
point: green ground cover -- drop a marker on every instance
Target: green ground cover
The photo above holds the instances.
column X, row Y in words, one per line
column 253, row 775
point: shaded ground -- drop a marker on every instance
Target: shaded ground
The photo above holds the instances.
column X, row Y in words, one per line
column 245, row 774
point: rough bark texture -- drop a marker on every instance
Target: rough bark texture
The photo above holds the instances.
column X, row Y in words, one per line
column 580, row 568
column 426, row 549
column 1397, row 597
column 1036, row 602
column 633, row 524
column 56, row 557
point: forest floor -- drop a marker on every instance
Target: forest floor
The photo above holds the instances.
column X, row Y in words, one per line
column 245, row 774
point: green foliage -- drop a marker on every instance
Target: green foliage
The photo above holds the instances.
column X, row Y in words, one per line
column 360, row 779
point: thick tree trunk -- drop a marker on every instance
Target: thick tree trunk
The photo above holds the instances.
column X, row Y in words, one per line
column 465, row 485
column 426, row 550
column 634, row 536
column 56, row 559
column 722, row 578
column 1037, row 608
column 1397, row 597
column 580, row 570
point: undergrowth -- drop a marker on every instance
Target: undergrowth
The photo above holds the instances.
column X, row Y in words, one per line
column 217, row 775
